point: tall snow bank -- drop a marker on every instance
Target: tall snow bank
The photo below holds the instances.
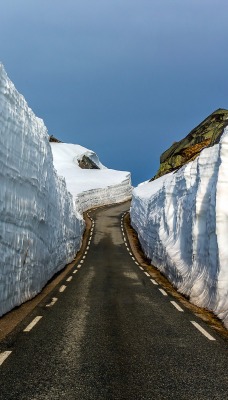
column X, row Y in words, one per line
column 40, row 231
column 90, row 187
column 182, row 223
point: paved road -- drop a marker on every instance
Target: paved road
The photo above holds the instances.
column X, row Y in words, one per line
column 112, row 334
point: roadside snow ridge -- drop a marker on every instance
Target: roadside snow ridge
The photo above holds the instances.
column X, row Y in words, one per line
column 182, row 223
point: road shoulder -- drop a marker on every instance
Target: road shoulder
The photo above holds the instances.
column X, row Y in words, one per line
column 206, row 315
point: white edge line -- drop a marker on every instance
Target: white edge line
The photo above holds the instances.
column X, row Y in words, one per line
column 32, row 324
column 4, row 356
column 69, row 279
column 146, row 273
column 205, row 333
column 154, row 282
column 176, row 306
column 163, row 292
column 74, row 272
column 52, row 302
column 62, row 288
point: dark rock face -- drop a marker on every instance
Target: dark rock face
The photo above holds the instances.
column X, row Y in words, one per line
column 53, row 139
column 204, row 135
column 87, row 163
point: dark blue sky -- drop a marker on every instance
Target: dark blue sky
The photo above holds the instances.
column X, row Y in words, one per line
column 125, row 78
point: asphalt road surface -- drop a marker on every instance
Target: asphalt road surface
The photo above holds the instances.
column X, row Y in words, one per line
column 110, row 332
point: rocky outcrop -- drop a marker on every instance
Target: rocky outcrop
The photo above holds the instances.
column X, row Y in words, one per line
column 86, row 163
column 204, row 135
column 53, row 139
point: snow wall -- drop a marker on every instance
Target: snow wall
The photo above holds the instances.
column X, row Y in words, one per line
column 40, row 230
column 103, row 196
column 182, row 224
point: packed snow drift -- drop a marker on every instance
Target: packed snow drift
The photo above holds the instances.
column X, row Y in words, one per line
column 182, row 222
column 90, row 187
column 41, row 224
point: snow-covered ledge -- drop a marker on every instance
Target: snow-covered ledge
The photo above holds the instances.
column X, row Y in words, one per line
column 90, row 187
column 182, row 223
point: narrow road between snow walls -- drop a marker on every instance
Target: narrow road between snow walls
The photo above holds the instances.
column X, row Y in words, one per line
column 109, row 329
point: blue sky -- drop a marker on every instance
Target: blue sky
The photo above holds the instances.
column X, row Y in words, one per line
column 125, row 78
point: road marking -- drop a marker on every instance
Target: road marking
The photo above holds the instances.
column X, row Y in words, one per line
column 133, row 258
column 128, row 249
column 79, row 266
column 163, row 292
column 136, row 263
column 87, row 248
column 153, row 281
column 205, row 333
column 141, row 268
column 62, row 288
column 177, row 306
column 130, row 253
column 69, row 279
column 124, row 239
column 32, row 324
column 54, row 299
column 74, row 272
column 146, row 273
column 86, row 252
column 4, row 356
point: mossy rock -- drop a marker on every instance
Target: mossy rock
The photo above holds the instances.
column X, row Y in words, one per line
column 206, row 134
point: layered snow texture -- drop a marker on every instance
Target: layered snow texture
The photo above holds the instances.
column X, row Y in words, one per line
column 40, row 231
column 182, row 223
column 90, row 187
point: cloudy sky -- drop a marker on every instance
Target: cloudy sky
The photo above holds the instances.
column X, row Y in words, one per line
column 125, row 78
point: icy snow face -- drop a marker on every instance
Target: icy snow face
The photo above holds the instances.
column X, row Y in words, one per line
column 182, row 223
column 90, row 187
column 40, row 230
